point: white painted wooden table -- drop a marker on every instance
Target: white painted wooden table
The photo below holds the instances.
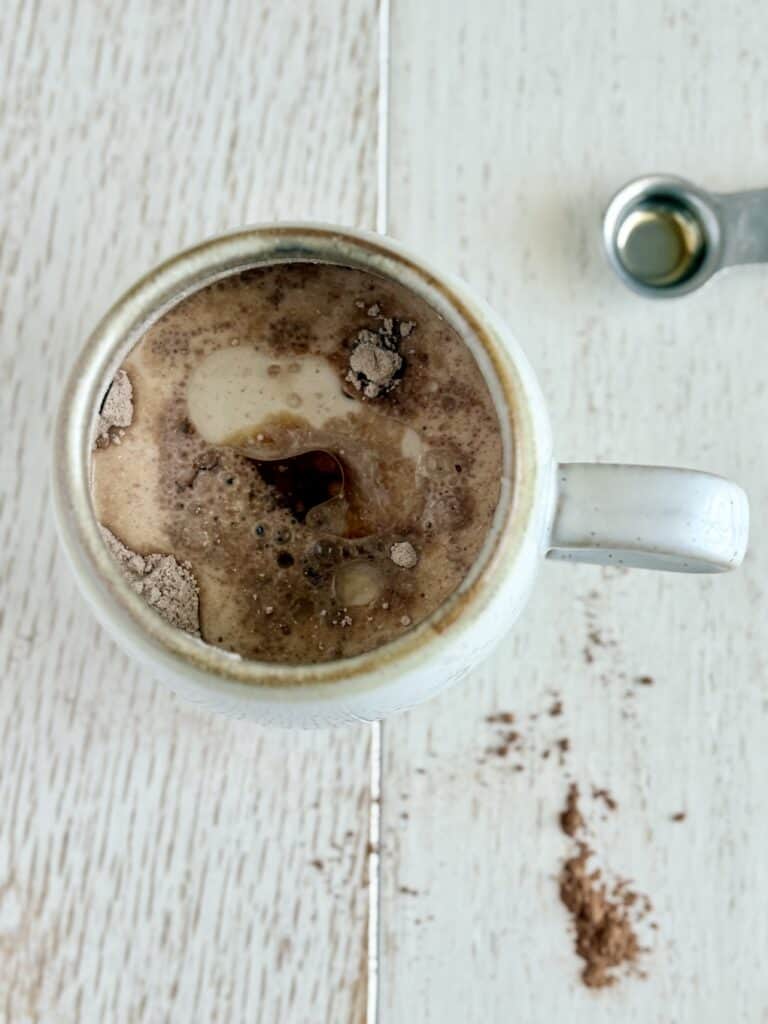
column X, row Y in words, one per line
column 160, row 865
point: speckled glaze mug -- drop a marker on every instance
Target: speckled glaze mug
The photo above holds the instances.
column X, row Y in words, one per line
column 649, row 517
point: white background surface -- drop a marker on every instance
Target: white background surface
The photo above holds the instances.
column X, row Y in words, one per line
column 160, row 865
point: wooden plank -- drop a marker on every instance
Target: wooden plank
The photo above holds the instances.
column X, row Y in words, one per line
column 511, row 126
column 156, row 863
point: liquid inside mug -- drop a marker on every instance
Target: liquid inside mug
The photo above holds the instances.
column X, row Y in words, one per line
column 648, row 517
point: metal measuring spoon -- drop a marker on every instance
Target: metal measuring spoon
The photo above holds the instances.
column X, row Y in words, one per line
column 665, row 236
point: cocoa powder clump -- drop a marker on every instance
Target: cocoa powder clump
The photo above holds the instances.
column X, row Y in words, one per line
column 168, row 586
column 404, row 554
column 375, row 362
column 116, row 413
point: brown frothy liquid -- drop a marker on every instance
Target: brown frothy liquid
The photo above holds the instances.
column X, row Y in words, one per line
column 319, row 446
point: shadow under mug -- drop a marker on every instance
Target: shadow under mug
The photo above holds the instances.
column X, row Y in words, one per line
column 647, row 517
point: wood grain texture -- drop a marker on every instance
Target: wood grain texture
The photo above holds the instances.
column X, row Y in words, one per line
column 511, row 126
column 158, row 864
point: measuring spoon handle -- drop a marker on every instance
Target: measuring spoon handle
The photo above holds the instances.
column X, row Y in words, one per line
column 743, row 218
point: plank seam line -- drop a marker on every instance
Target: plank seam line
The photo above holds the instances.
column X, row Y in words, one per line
column 377, row 731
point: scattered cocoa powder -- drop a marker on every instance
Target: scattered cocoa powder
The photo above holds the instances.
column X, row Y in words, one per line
column 644, row 680
column 167, row 586
column 605, row 914
column 608, row 798
column 501, row 717
column 680, row 816
column 595, row 637
column 508, row 739
column 561, row 746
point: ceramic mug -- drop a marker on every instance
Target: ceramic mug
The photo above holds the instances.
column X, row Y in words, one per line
column 650, row 517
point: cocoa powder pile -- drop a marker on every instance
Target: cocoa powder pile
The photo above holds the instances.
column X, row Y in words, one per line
column 604, row 916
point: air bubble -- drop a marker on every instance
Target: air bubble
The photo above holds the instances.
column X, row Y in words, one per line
column 302, row 609
column 358, row 583
column 313, row 575
column 327, row 551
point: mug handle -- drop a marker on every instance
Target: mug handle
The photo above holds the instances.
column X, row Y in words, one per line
column 648, row 517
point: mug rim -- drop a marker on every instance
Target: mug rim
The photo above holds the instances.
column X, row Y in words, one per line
column 141, row 629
